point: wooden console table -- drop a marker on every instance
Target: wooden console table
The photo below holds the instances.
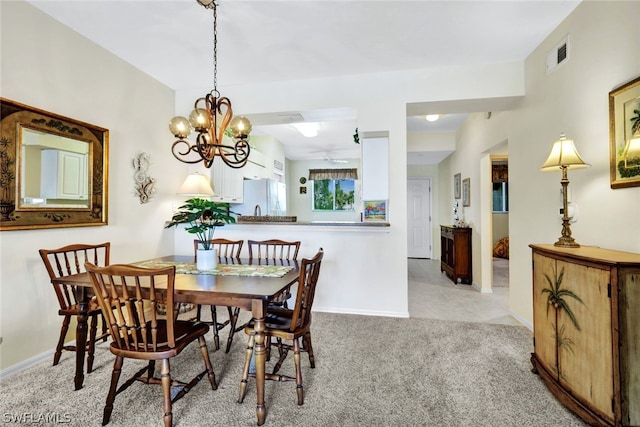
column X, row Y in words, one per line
column 455, row 253
column 586, row 334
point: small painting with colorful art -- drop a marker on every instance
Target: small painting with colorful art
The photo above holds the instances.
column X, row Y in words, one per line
column 375, row 210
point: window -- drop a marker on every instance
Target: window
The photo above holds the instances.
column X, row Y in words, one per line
column 333, row 194
column 501, row 197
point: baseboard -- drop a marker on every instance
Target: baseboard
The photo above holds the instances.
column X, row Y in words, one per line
column 480, row 289
column 26, row 364
column 521, row 320
column 362, row 312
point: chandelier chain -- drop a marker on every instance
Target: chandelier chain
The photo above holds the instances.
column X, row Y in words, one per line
column 210, row 118
column 215, row 49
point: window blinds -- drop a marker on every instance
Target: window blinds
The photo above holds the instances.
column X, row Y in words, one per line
column 318, row 174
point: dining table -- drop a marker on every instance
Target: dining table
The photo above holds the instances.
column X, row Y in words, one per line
column 245, row 283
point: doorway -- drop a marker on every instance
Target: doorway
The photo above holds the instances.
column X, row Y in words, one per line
column 500, row 220
column 419, row 218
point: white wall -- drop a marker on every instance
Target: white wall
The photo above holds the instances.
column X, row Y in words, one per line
column 500, row 222
column 50, row 67
column 604, row 46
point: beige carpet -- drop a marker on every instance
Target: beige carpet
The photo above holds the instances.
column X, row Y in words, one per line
column 500, row 273
column 370, row 371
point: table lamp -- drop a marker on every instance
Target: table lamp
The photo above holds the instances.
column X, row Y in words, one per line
column 196, row 185
column 564, row 156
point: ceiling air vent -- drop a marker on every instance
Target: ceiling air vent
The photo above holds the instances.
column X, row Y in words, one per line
column 558, row 55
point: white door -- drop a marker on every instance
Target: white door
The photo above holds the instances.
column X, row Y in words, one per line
column 419, row 217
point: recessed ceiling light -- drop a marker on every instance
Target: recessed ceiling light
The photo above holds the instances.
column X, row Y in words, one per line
column 307, row 129
column 432, row 117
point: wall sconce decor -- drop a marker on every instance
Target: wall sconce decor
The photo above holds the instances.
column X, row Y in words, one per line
column 564, row 156
column 624, row 135
column 210, row 118
column 144, row 186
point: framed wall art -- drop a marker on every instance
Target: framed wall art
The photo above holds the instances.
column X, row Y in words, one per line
column 466, row 192
column 456, row 186
column 375, row 210
column 624, row 135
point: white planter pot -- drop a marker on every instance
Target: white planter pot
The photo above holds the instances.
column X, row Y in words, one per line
column 207, row 259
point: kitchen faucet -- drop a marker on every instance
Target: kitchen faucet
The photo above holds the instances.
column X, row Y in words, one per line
column 257, row 211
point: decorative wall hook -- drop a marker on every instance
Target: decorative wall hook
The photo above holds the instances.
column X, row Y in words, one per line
column 144, row 186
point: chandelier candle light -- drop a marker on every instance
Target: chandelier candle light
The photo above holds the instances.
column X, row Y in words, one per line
column 210, row 118
column 564, row 156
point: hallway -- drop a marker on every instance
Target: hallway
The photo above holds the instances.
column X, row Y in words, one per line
column 432, row 295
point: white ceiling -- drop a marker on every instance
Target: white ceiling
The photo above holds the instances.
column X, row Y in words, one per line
column 261, row 40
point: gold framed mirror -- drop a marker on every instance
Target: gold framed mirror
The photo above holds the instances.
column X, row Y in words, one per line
column 53, row 170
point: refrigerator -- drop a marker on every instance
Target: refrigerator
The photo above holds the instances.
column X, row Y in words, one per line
column 269, row 195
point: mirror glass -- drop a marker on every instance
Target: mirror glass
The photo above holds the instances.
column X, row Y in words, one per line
column 54, row 171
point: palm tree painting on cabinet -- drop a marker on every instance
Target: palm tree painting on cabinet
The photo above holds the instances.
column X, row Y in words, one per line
column 557, row 298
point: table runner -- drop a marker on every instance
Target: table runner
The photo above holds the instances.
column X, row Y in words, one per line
column 221, row 269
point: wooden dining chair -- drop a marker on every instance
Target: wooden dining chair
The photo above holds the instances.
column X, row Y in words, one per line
column 139, row 332
column 228, row 252
column 272, row 251
column 288, row 327
column 66, row 261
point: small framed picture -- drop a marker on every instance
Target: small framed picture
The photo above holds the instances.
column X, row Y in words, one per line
column 624, row 135
column 466, row 192
column 456, row 186
column 375, row 210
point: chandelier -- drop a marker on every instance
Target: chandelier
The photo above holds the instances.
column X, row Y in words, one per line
column 212, row 119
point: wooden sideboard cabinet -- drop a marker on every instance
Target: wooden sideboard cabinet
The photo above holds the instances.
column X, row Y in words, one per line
column 586, row 327
column 455, row 253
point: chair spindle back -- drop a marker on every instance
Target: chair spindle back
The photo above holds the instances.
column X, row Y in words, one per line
column 69, row 260
column 229, row 249
column 273, row 250
column 136, row 292
column 307, row 281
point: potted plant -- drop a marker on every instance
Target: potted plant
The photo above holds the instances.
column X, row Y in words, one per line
column 202, row 217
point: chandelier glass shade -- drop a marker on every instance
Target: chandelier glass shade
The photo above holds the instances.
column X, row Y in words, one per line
column 212, row 120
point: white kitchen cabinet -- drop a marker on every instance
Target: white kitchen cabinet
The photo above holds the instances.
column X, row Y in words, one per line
column 64, row 175
column 255, row 167
column 375, row 168
column 227, row 182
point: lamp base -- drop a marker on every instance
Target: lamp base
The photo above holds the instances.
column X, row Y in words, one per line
column 566, row 242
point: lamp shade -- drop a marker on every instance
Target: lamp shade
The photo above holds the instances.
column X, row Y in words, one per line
column 563, row 154
column 196, row 185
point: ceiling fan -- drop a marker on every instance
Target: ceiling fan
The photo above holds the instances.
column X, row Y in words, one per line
column 331, row 160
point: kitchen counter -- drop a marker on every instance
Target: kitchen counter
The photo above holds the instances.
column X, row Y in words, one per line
column 317, row 223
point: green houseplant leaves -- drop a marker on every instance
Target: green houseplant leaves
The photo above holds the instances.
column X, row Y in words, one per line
column 202, row 217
